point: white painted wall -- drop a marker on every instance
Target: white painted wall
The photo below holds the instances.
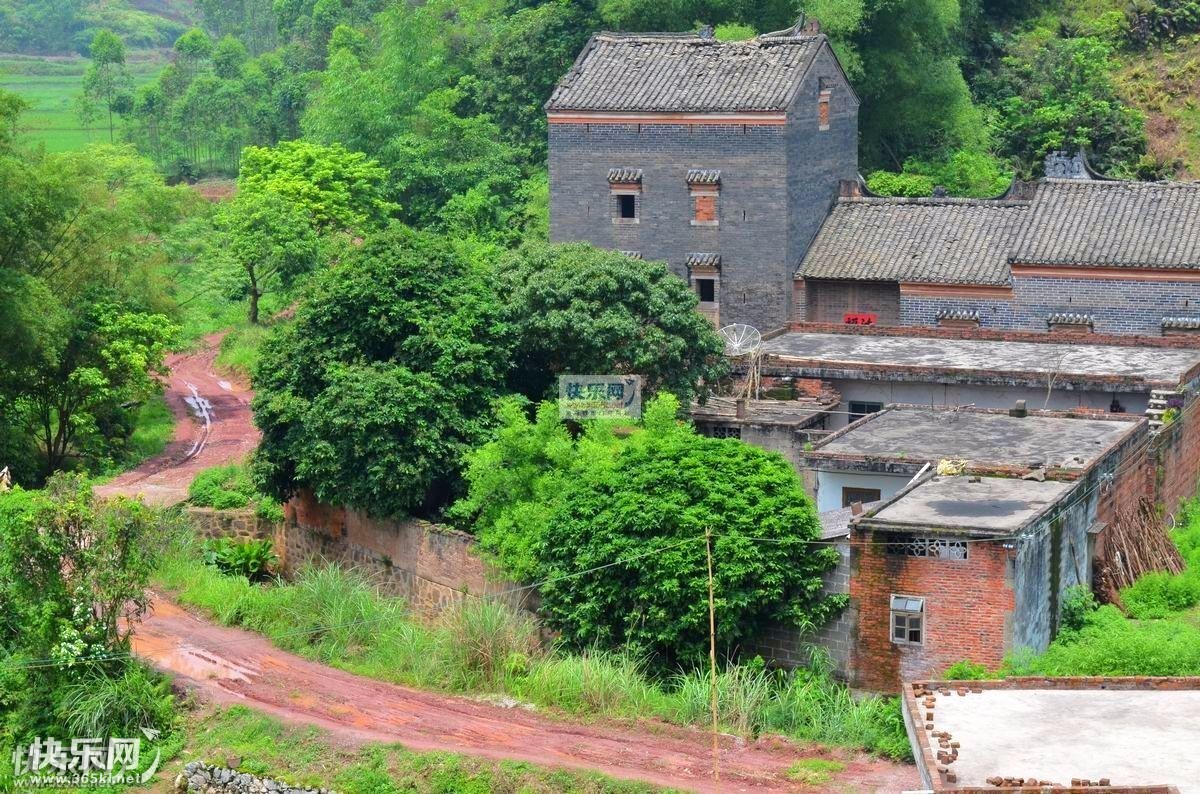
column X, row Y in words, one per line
column 830, row 484
column 981, row 396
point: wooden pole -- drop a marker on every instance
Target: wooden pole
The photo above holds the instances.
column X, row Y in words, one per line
column 712, row 654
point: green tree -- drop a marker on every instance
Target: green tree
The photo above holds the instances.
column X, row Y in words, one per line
column 335, row 188
column 384, row 379
column 107, row 359
column 1059, row 94
column 271, row 240
column 633, row 512
column 579, row 309
column 107, row 81
column 229, row 56
column 193, row 50
column 73, row 573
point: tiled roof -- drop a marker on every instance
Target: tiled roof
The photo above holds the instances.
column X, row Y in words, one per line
column 1130, row 224
column 703, row 260
column 947, row 241
column 632, row 254
column 1187, row 323
column 958, row 314
column 624, row 175
column 664, row 72
column 704, row 176
column 1070, row 318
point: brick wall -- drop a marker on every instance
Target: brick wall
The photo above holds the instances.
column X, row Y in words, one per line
column 967, row 603
column 830, row 301
column 1119, row 307
column 431, row 567
column 1177, row 459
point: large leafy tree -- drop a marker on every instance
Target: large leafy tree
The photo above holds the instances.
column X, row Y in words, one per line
column 580, row 309
column 632, row 510
column 385, row 378
column 335, row 188
column 271, row 242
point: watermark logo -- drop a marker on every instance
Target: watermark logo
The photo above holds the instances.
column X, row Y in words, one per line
column 48, row 763
column 599, row 396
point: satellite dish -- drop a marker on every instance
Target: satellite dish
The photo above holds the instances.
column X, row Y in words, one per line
column 740, row 339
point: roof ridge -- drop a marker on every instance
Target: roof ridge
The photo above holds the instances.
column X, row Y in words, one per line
column 939, row 201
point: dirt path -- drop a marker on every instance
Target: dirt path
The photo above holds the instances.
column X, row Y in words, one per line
column 193, row 389
column 231, row 666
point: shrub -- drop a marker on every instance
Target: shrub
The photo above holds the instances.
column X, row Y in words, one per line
column 222, row 487
column 966, row 670
column 1159, row 594
column 253, row 559
column 488, row 642
column 104, row 703
column 1078, row 602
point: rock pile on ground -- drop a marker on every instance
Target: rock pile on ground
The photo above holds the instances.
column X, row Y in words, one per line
column 198, row 778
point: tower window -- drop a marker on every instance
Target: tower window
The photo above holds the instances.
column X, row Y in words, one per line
column 706, row 288
column 626, row 206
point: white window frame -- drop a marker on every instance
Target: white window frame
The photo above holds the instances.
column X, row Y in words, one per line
column 911, row 608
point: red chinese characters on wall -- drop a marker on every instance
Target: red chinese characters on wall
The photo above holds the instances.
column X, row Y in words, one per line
column 860, row 318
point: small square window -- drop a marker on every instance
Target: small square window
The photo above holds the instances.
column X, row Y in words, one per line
column 706, row 288
column 860, row 495
column 860, row 409
column 725, row 431
column 908, row 620
column 626, row 206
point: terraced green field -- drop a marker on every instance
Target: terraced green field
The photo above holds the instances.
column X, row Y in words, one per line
column 51, row 86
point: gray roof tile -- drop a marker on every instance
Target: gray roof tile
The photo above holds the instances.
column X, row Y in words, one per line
column 704, row 176
column 664, row 72
column 1129, row 224
column 624, row 175
column 948, row 241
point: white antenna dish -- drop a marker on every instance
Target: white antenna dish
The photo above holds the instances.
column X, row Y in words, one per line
column 741, row 339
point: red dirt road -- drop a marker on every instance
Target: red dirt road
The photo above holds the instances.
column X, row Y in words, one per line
column 229, row 435
column 231, row 666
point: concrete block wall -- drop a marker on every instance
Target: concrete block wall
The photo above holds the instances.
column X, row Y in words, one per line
column 788, row 647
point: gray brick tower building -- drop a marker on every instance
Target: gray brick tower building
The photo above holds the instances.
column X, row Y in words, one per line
column 720, row 158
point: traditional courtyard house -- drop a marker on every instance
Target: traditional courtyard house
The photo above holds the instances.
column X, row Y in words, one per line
column 719, row 158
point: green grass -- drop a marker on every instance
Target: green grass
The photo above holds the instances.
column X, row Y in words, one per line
column 154, row 425
column 815, row 771
column 239, row 349
column 51, row 87
column 305, row 756
column 338, row 617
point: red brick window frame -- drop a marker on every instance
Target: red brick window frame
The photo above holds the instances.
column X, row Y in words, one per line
column 705, row 205
column 823, row 97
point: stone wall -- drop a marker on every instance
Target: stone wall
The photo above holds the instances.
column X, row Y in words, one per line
column 200, row 778
column 430, row 566
column 241, row 524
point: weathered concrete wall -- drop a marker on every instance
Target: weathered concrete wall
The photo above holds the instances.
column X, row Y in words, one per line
column 432, row 567
column 831, row 483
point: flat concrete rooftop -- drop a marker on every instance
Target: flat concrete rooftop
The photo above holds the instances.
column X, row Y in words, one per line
column 798, row 413
column 981, row 361
column 988, row 505
column 923, row 434
column 1131, row 737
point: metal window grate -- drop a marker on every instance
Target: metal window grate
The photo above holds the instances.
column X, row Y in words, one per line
column 922, row 546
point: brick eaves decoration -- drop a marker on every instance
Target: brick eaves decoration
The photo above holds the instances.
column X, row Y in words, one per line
column 987, row 334
column 917, row 707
